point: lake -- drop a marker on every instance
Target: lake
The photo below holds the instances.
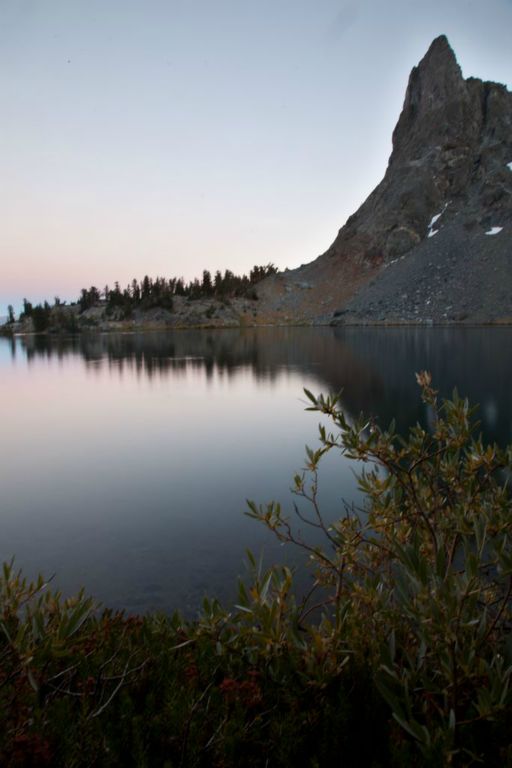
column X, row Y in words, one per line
column 127, row 459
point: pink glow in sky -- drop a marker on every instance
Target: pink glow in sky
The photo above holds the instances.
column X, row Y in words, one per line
column 169, row 137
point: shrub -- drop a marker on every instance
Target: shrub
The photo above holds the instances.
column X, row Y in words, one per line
column 418, row 584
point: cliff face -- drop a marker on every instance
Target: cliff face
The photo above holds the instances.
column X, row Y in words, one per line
column 420, row 247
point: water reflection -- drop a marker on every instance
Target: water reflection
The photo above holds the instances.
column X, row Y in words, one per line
column 128, row 458
column 374, row 366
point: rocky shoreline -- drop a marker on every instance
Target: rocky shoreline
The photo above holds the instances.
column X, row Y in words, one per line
column 161, row 323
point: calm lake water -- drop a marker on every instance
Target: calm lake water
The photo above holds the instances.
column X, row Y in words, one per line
column 127, row 459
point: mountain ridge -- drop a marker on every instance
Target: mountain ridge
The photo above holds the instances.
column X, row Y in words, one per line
column 448, row 182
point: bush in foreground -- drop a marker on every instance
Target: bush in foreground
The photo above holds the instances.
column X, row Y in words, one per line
column 399, row 655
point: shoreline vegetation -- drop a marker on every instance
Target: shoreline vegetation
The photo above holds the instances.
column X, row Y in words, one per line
column 152, row 301
column 399, row 655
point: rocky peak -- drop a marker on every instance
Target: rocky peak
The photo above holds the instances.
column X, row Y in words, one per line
column 447, row 189
column 452, row 140
column 434, row 85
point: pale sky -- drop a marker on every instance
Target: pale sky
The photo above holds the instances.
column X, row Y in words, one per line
column 167, row 137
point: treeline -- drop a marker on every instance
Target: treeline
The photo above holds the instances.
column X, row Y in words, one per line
column 146, row 294
column 42, row 314
column 159, row 292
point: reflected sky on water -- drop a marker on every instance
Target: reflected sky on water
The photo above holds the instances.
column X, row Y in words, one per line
column 127, row 459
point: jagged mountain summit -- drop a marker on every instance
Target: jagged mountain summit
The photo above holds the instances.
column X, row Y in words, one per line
column 433, row 241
